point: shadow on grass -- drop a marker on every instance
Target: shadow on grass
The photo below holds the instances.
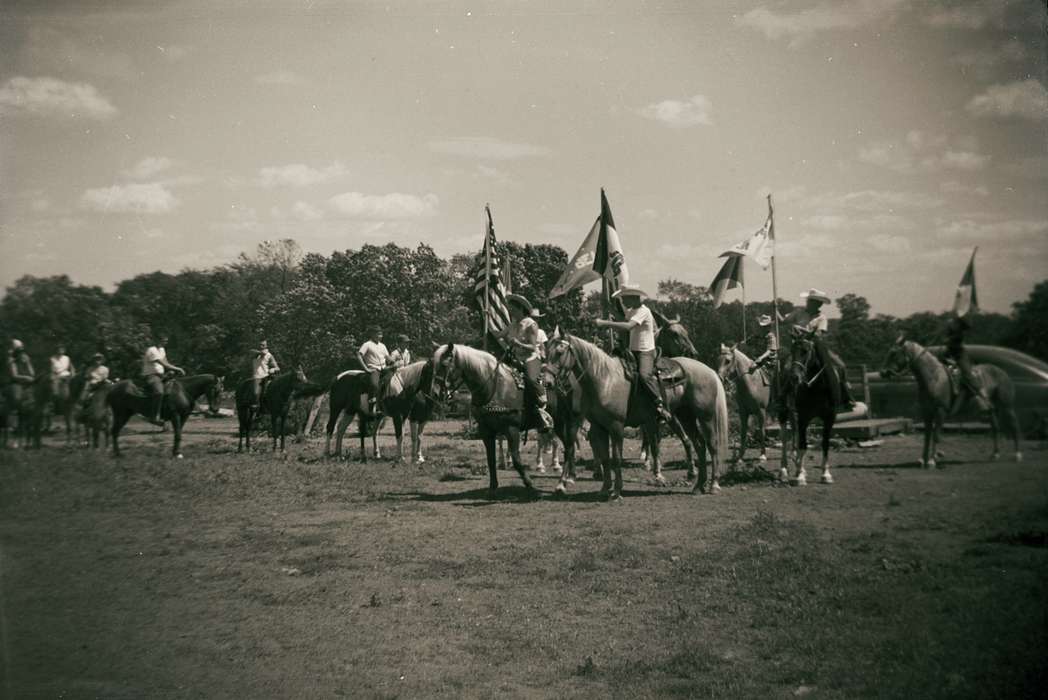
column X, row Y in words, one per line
column 516, row 494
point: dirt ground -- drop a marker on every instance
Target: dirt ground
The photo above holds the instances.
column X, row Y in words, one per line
column 269, row 575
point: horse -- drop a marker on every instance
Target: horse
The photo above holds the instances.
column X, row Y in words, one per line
column 811, row 390
column 404, row 400
column 936, row 395
column 65, row 399
column 180, row 395
column 752, row 395
column 276, row 401
column 30, row 408
column 497, row 402
column 671, row 337
column 697, row 403
column 95, row 415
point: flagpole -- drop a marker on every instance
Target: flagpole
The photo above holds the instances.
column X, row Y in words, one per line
column 487, row 274
column 784, row 450
column 743, row 309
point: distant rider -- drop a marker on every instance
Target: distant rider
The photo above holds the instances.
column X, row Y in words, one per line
column 96, row 375
column 771, row 345
column 810, row 323
column 19, row 370
column 956, row 328
column 154, row 366
column 263, row 366
column 401, row 355
column 522, row 341
column 374, row 357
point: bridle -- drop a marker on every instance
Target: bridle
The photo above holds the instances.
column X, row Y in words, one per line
column 565, row 374
column 441, row 379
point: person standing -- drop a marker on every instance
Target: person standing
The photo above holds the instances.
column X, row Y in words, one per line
column 640, row 324
column 19, row 371
column 374, row 356
column 154, row 365
column 263, row 366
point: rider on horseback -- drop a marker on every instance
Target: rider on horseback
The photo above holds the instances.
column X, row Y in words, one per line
column 61, row 370
column 154, row 366
column 374, row 356
column 19, row 370
column 810, row 324
column 640, row 324
column 955, row 351
column 401, row 356
column 263, row 366
column 97, row 374
column 522, row 338
column 771, row 345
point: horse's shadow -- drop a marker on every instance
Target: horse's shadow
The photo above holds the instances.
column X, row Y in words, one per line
column 913, row 464
column 480, row 497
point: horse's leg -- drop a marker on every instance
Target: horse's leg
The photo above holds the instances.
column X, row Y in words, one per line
column 1008, row 410
column 707, row 429
column 652, row 433
column 176, row 423
column 345, row 419
column 333, row 415
column 995, row 430
column 616, row 458
column 802, row 449
column 513, row 438
column 827, row 431
column 362, row 430
column 417, row 426
column 119, row 419
column 744, row 422
column 698, row 470
column 489, row 451
column 398, row 432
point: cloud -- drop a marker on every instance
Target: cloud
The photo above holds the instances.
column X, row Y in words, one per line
column 966, row 16
column 487, row 148
column 887, row 243
column 140, row 198
column 304, row 211
column 954, row 187
column 1024, row 98
column 801, row 25
column 887, row 154
column 299, row 175
column 1011, row 51
column 680, row 113
column 395, row 205
column 1032, row 167
column 280, row 77
column 993, row 231
column 53, row 97
column 148, row 167
column 878, row 200
column 963, row 160
column 174, row 53
column 921, row 151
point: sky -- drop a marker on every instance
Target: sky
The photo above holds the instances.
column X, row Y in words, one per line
column 894, row 136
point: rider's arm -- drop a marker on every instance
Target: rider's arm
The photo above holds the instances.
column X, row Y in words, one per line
column 625, row 326
column 273, row 364
column 167, row 365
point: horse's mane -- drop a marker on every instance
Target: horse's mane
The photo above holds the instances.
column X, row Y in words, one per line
column 599, row 361
column 740, row 355
column 478, row 361
column 409, row 374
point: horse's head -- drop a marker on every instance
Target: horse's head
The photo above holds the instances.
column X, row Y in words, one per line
column 561, row 358
column 726, row 361
column 446, row 373
column 214, row 396
column 897, row 358
column 672, row 337
column 300, row 375
column 803, row 359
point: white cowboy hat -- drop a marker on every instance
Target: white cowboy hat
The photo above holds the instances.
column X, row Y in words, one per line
column 628, row 290
column 814, row 293
column 16, row 344
column 521, row 302
column 764, row 320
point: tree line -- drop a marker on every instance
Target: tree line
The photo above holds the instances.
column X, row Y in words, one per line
column 316, row 310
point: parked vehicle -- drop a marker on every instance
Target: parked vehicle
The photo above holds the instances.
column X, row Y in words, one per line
column 897, row 395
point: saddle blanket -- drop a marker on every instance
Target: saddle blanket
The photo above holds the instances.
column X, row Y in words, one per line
column 668, row 371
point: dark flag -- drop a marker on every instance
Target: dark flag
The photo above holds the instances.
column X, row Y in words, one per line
column 729, row 277
column 488, row 289
column 608, row 260
column 966, row 300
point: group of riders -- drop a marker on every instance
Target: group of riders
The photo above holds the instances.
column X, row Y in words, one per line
column 525, row 344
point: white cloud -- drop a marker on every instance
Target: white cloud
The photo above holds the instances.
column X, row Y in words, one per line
column 877, row 200
column 40, row 204
column 141, row 198
column 1024, row 98
column 680, row 113
column 887, row 243
column 967, row 15
column 991, row 231
column 801, row 25
column 279, row 77
column 1033, row 167
column 826, row 222
column 954, row 187
column 1012, row 51
column 52, row 97
column 174, row 53
column 395, row 205
column 299, row 175
column 920, row 150
column 887, row 154
column 487, row 148
column 148, row 167
column 963, row 160
column 304, row 211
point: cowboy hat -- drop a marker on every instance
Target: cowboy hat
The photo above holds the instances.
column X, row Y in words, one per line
column 521, row 302
column 98, row 356
column 535, row 313
column 814, row 293
column 403, row 338
column 628, row 290
column 764, row 320
column 16, row 344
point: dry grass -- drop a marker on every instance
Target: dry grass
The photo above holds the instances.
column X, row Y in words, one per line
column 266, row 576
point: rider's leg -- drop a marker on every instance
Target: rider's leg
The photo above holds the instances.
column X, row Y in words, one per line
column 533, row 378
column 646, row 371
column 842, row 377
column 376, row 387
column 256, row 393
column 964, row 363
column 155, row 388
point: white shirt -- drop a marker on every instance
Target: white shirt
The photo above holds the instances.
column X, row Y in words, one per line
column 374, row 354
column 642, row 331
column 806, row 321
column 541, row 338
column 525, row 330
column 61, row 366
column 263, row 365
column 401, row 357
column 151, row 361
column 97, row 375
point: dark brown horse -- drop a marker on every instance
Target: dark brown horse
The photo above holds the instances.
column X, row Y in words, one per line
column 30, row 406
column 95, row 415
column 348, row 398
column 180, row 395
column 811, row 390
column 671, row 337
column 936, row 394
column 276, row 401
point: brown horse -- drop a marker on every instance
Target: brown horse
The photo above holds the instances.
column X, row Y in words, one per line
column 95, row 415
column 671, row 337
column 180, row 395
column 276, row 401
column 810, row 390
column 752, row 395
column 936, row 395
column 610, row 403
column 30, row 405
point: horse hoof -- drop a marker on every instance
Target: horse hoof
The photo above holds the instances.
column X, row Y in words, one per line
column 826, row 479
column 764, row 458
column 540, row 468
column 420, row 460
column 784, row 475
column 179, row 456
column 1018, row 456
column 569, row 480
column 712, row 490
column 615, row 497
column 561, row 489
column 799, row 481
column 557, row 469
column 692, row 476
column 659, row 480
column 930, row 464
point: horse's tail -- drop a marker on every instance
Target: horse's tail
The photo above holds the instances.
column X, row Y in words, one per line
column 720, row 423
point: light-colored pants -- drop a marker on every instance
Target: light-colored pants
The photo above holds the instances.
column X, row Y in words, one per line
column 646, row 372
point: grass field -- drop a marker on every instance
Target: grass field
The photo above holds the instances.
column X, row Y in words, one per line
column 269, row 575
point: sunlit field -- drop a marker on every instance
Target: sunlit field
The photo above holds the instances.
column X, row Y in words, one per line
column 290, row 575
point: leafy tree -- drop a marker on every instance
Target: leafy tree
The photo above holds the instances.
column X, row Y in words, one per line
column 1030, row 331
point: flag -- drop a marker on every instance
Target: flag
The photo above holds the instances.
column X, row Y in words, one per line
column 729, row 277
column 760, row 246
column 507, row 276
column 966, row 300
column 580, row 270
column 608, row 259
column 488, row 289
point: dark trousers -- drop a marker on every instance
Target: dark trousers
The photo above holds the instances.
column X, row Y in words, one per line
column 646, row 372
column 155, row 390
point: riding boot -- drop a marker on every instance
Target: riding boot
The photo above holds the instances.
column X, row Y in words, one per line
column 157, row 402
column 664, row 416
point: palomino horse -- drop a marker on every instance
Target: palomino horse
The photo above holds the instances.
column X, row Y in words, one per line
column 811, row 391
column 276, row 401
column 180, row 396
column 752, row 394
column 404, row 401
column 936, row 395
column 497, row 401
column 609, row 402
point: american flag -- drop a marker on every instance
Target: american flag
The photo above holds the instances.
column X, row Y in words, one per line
column 489, row 282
